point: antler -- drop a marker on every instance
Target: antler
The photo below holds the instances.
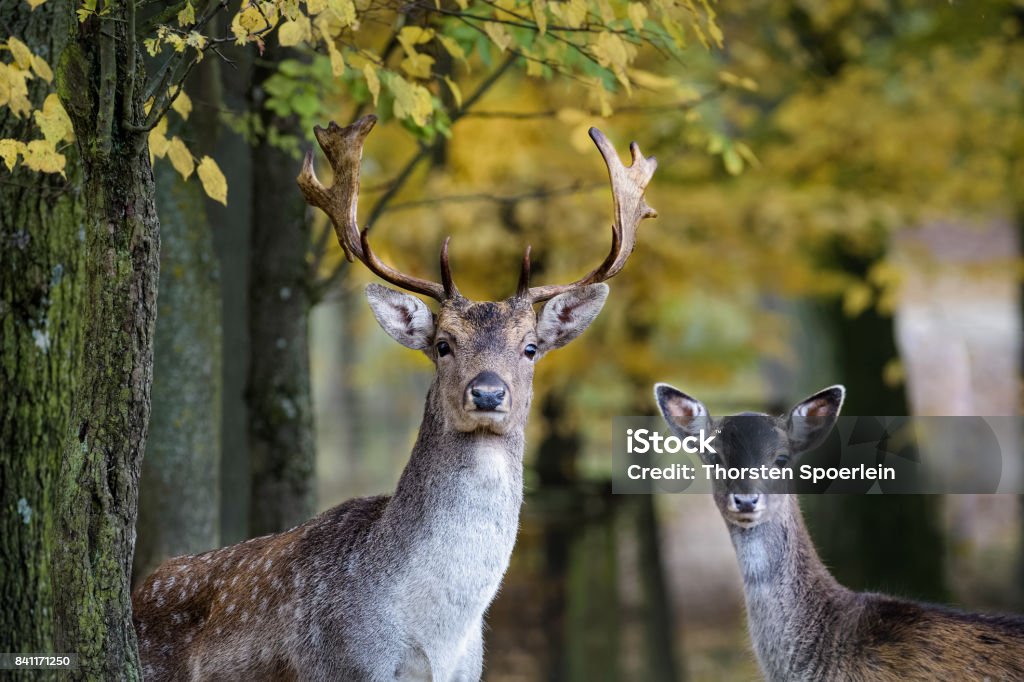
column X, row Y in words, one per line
column 628, row 184
column 344, row 150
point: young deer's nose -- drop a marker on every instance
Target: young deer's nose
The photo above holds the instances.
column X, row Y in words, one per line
column 745, row 503
column 487, row 391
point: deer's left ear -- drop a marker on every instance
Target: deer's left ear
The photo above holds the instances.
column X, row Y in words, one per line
column 567, row 315
column 811, row 420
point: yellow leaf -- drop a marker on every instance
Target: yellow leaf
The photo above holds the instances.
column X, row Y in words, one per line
column 453, row 48
column 456, row 92
column 414, row 35
column 637, row 14
column 856, row 299
column 344, row 11
column 35, row 3
column 337, row 61
column 418, row 65
column 314, row 7
column 22, row 55
column 294, row 32
column 733, row 162
column 652, row 81
column 498, row 35
column 181, row 157
column 14, row 89
column 53, row 121
column 9, row 150
column 214, row 184
column 158, row 142
column 182, row 104
column 187, row 16
column 463, row 4
column 42, row 156
column 411, row 100
column 372, row 81
column 42, row 69
column 611, row 50
column 540, row 15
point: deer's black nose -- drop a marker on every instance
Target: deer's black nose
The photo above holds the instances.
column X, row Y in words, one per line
column 745, row 503
column 487, row 391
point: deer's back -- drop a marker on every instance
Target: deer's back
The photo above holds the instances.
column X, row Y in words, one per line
column 908, row 640
column 253, row 610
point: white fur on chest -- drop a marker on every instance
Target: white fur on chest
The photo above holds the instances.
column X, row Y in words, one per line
column 457, row 565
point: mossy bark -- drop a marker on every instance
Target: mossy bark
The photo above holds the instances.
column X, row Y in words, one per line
column 179, row 498
column 281, row 443
column 96, row 491
column 41, row 320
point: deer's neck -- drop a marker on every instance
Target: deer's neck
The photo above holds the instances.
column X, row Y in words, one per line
column 795, row 608
column 453, row 519
column 443, row 458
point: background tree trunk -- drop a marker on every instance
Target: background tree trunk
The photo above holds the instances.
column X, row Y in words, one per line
column 281, row 443
column 41, row 313
column 179, row 503
column 230, row 229
column 97, row 486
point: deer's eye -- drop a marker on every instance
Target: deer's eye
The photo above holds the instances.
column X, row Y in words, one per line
column 781, row 460
column 530, row 351
column 443, row 349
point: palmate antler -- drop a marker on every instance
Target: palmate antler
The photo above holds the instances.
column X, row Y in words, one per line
column 344, row 150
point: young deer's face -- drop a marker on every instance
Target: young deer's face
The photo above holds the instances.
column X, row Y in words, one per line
column 485, row 352
column 752, row 440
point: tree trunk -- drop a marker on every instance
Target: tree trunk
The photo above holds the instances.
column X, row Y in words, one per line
column 230, row 229
column 278, row 394
column 41, row 320
column 876, row 542
column 96, row 491
column 179, row 504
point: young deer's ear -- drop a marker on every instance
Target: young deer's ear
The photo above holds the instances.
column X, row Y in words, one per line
column 812, row 419
column 405, row 318
column 686, row 416
column 567, row 315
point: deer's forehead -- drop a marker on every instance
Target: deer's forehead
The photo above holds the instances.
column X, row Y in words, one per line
column 750, row 435
column 495, row 321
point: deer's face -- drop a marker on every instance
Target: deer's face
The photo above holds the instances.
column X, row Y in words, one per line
column 485, row 352
column 751, row 441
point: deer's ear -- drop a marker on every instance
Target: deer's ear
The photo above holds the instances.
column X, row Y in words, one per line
column 686, row 416
column 811, row 420
column 567, row 315
column 404, row 317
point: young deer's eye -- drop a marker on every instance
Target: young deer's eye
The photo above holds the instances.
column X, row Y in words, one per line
column 781, row 460
column 443, row 349
column 530, row 351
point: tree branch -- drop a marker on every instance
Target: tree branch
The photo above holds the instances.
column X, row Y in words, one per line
column 107, row 86
column 403, row 176
column 535, row 195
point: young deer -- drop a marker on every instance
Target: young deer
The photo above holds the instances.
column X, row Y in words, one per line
column 393, row 587
column 804, row 625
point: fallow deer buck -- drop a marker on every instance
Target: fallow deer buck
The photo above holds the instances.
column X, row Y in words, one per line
column 803, row 624
column 393, row 587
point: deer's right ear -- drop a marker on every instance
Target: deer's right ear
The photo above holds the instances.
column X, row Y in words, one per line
column 686, row 416
column 405, row 318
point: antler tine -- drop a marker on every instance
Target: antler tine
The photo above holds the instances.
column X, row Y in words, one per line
column 450, row 290
column 344, row 150
column 523, row 290
column 628, row 184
